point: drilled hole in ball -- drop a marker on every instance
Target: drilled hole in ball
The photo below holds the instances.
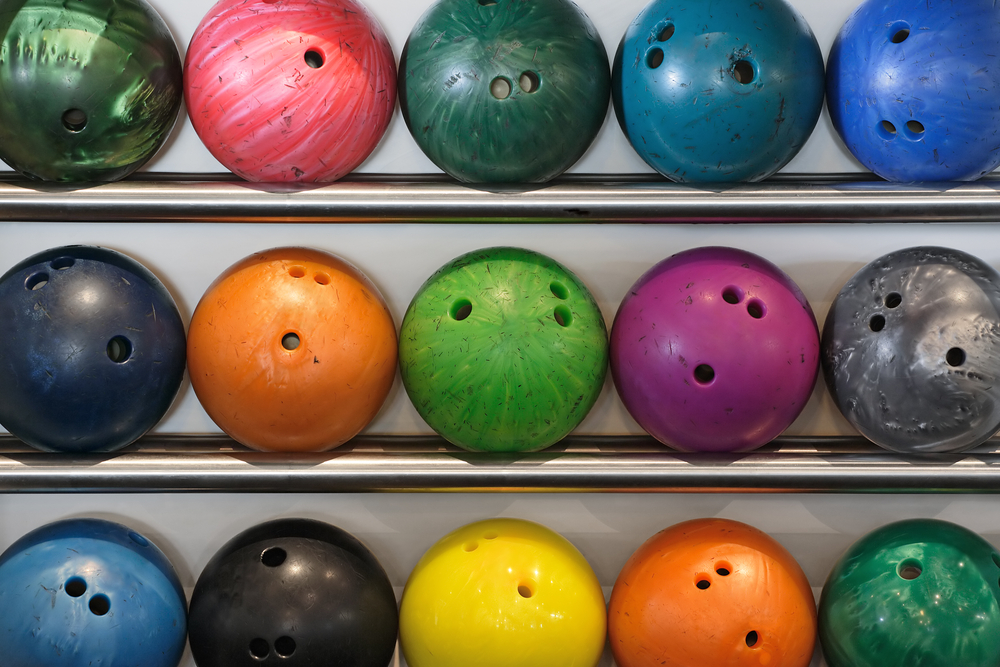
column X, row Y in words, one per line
column 461, row 309
column 36, row 281
column 563, row 316
column 470, row 546
column 501, row 88
column 100, row 605
column 654, row 58
column 665, row 33
column 321, row 278
column 273, row 556
column 297, row 272
column 888, row 128
column 529, row 82
column 722, row 571
column 909, row 569
column 491, row 536
column 893, row 300
column 314, row 58
column 703, row 374
column 752, row 638
column 138, row 539
column 955, row 356
column 756, row 309
column 732, row 295
column 76, row 587
column 559, row 290
column 119, row 349
column 487, row 3
column 74, row 120
column 915, row 126
column 703, row 584
column 876, row 323
column 743, row 71
column 259, row 648
column 291, row 341
column 284, row 646
column 900, row 35
column 62, row 263
column 524, row 590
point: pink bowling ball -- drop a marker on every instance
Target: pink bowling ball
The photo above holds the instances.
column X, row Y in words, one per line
column 290, row 90
column 715, row 350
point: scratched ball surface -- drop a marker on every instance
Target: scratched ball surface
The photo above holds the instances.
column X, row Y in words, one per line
column 85, row 592
column 712, row 592
column 504, row 91
column 292, row 349
column 718, row 90
column 911, row 350
column 714, row 349
column 93, row 351
column 503, row 349
column 290, row 90
column 89, row 89
column 913, row 89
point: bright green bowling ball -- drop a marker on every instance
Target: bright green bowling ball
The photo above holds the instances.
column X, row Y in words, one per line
column 89, row 89
column 917, row 593
column 503, row 349
column 504, row 91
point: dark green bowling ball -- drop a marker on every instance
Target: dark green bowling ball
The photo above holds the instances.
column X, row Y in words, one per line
column 504, row 91
column 916, row 593
column 89, row 89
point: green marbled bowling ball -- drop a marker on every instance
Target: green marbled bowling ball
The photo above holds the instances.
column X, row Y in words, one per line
column 89, row 89
column 916, row 593
column 503, row 350
column 511, row 91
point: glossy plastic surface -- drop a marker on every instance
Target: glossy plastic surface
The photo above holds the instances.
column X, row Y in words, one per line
column 290, row 90
column 89, row 89
column 916, row 592
column 712, row 592
column 93, row 350
column 911, row 350
column 718, row 90
column 913, row 91
column 503, row 349
column 511, row 91
column 714, row 349
column 297, row 593
column 502, row 592
column 84, row 592
column 292, row 349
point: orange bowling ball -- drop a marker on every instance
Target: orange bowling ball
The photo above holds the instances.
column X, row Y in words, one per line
column 712, row 592
column 292, row 349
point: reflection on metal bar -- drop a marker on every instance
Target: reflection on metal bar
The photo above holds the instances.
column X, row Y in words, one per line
column 407, row 198
column 580, row 464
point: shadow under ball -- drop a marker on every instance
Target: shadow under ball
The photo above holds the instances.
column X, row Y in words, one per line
column 911, row 350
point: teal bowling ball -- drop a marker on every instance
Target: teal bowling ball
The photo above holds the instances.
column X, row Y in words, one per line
column 504, row 91
column 920, row 592
column 718, row 90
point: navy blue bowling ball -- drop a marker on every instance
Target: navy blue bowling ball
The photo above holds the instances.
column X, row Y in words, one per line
column 718, row 90
column 87, row 592
column 294, row 593
column 93, row 350
column 914, row 90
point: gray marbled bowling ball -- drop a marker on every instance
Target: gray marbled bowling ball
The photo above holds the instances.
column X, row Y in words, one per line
column 911, row 350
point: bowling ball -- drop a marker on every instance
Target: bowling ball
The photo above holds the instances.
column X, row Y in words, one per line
column 503, row 349
column 714, row 349
column 93, row 350
column 719, row 90
column 290, row 90
column 712, row 592
column 85, row 592
column 911, row 350
column 89, row 89
column 504, row 91
column 292, row 349
column 502, row 592
column 293, row 592
column 917, row 592
column 913, row 91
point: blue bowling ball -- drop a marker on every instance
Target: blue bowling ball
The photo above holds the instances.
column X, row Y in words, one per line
column 913, row 88
column 86, row 593
column 93, row 350
column 718, row 90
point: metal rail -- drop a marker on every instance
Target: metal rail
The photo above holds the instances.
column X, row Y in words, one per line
column 580, row 464
column 572, row 199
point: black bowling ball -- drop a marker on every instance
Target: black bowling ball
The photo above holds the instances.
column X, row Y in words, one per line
column 296, row 593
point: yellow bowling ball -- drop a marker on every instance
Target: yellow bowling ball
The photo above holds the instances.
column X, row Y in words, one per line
column 503, row 593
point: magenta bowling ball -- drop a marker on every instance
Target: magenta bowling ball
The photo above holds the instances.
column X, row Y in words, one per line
column 714, row 349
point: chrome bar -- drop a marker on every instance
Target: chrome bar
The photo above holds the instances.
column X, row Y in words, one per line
column 421, row 464
column 364, row 198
